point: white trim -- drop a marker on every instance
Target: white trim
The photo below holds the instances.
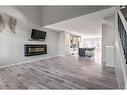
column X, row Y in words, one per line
column 122, row 19
column 28, row 61
column 126, row 85
column 122, row 60
column 109, row 65
column 61, row 55
column 116, row 31
column 104, row 61
column 117, row 79
column 107, row 22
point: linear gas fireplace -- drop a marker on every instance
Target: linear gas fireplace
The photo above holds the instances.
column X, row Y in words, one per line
column 31, row 50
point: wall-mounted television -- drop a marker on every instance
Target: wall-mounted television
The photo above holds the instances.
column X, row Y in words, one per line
column 38, row 35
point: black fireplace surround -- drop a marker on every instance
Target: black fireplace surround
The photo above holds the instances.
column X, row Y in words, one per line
column 31, row 50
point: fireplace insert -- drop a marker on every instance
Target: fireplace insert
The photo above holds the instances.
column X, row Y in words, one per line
column 31, row 50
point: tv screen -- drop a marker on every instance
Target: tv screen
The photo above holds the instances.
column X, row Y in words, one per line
column 37, row 34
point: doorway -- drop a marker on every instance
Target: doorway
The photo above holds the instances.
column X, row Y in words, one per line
column 72, row 44
column 94, row 43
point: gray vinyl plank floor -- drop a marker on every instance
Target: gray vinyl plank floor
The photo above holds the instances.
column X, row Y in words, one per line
column 58, row 73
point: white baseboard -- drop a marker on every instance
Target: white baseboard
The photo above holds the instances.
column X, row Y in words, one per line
column 62, row 55
column 109, row 65
column 126, row 86
column 103, row 61
column 28, row 61
column 117, row 78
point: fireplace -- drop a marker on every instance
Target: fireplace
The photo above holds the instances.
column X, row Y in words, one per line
column 31, row 50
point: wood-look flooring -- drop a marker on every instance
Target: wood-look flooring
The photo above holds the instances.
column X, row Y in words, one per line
column 58, row 73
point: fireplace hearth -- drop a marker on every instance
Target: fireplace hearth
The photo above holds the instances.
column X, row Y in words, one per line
column 31, row 50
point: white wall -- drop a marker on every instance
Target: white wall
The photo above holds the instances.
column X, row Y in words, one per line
column 108, row 38
column 31, row 14
column 61, row 44
column 12, row 45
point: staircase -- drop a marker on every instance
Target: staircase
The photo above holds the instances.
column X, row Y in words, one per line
column 123, row 32
column 122, row 40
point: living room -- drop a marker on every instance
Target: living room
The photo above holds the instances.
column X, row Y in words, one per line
column 39, row 44
column 12, row 43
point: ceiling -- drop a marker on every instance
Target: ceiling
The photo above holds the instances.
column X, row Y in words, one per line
column 87, row 25
column 54, row 14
